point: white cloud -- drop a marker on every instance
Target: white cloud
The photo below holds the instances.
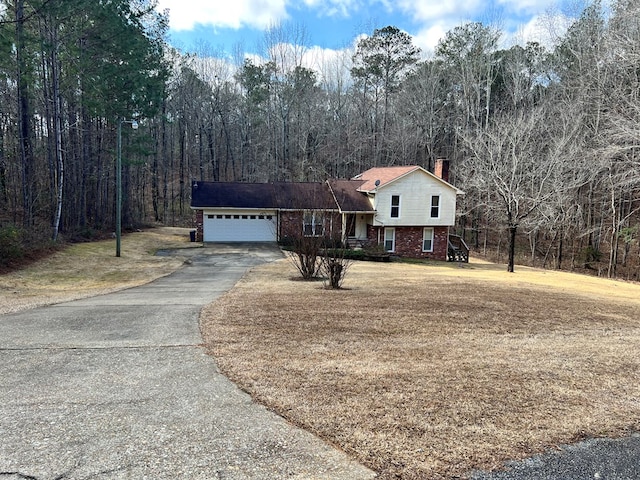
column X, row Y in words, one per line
column 332, row 8
column 255, row 13
column 440, row 9
column 427, row 38
column 431, row 19
column 437, row 17
column 224, row 13
column 527, row 6
column 331, row 66
column 545, row 29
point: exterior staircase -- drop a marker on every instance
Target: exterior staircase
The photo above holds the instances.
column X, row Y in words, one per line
column 458, row 251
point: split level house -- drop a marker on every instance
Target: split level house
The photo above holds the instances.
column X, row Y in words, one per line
column 405, row 210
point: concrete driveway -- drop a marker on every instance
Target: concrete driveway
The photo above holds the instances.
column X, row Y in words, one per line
column 119, row 386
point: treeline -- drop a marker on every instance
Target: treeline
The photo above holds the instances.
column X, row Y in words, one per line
column 69, row 70
column 543, row 141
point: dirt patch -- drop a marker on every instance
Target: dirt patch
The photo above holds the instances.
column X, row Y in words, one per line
column 87, row 269
column 432, row 371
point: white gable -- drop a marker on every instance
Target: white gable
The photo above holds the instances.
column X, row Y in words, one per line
column 416, row 190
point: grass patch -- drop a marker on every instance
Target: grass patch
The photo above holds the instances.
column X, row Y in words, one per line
column 86, row 269
column 430, row 371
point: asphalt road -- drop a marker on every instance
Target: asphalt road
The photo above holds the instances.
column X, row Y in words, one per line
column 118, row 386
column 597, row 459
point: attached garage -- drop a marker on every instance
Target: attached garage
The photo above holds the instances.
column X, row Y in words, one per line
column 265, row 212
column 237, row 226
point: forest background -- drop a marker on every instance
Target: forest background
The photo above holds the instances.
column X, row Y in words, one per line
column 543, row 139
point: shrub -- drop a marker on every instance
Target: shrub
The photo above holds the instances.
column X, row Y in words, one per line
column 11, row 244
column 347, row 253
column 305, row 255
column 589, row 255
column 334, row 264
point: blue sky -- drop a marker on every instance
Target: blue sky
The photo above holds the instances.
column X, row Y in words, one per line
column 218, row 27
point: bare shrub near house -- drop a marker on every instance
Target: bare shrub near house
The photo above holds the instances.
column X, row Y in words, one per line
column 334, row 263
column 314, row 254
column 320, row 257
column 305, row 254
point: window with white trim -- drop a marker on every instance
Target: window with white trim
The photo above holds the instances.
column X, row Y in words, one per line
column 313, row 223
column 435, row 206
column 395, row 206
column 390, row 239
column 427, row 239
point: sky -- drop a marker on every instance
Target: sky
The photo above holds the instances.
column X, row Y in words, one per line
column 226, row 27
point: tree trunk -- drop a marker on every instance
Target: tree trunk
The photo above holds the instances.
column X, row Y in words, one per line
column 335, row 273
column 57, row 121
column 155, row 185
column 201, row 153
column 4, row 196
column 24, row 119
column 182, row 168
column 560, row 247
column 512, row 248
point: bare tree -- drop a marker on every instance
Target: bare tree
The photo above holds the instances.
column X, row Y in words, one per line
column 467, row 52
column 507, row 164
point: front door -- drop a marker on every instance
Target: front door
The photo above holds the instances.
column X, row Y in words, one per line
column 351, row 225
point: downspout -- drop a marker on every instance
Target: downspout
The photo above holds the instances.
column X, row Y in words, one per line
column 343, row 234
column 278, row 226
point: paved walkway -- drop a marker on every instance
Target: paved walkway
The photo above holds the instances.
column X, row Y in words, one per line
column 118, row 386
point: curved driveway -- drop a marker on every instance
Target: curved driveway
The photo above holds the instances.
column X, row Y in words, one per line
column 119, row 386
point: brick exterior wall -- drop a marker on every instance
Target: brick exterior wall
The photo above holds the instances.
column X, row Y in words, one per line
column 372, row 235
column 409, row 241
column 199, row 226
column 291, row 224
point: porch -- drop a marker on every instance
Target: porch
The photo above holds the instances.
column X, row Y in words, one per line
column 457, row 250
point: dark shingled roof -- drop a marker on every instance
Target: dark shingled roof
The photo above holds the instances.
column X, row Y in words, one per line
column 348, row 197
column 284, row 195
column 303, row 195
column 232, row 195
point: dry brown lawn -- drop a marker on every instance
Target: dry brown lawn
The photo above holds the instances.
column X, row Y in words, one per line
column 430, row 371
column 87, row 269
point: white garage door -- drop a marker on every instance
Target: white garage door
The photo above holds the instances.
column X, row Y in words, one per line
column 239, row 228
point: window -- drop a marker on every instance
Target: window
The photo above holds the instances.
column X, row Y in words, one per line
column 435, row 206
column 313, row 223
column 427, row 240
column 395, row 206
column 389, row 239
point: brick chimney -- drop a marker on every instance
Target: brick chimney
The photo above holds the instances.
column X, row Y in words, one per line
column 441, row 169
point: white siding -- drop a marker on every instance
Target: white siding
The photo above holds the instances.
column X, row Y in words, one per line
column 415, row 190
